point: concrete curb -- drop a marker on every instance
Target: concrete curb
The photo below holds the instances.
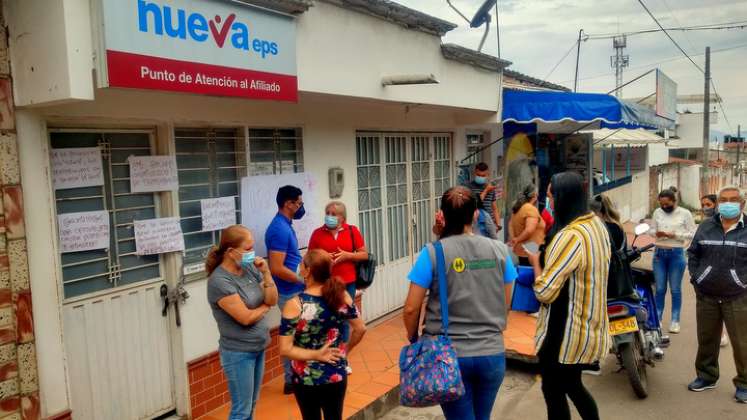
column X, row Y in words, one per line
column 379, row 407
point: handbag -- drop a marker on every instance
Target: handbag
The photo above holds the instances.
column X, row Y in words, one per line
column 429, row 368
column 364, row 270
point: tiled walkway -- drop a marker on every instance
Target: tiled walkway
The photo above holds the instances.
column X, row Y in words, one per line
column 375, row 373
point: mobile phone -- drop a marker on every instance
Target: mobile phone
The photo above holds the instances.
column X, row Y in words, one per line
column 531, row 247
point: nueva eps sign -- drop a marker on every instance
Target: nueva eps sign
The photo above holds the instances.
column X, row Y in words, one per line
column 211, row 47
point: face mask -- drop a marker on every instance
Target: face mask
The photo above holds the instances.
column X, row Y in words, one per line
column 709, row 212
column 729, row 210
column 247, row 260
column 331, row 222
column 668, row 209
column 299, row 213
column 480, row 180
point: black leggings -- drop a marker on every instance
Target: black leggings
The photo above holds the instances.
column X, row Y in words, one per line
column 315, row 399
column 559, row 381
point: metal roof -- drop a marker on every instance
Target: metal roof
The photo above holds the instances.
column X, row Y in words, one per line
column 474, row 58
column 398, row 14
column 286, row 6
column 533, row 82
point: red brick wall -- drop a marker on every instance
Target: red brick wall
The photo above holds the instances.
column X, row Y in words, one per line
column 208, row 388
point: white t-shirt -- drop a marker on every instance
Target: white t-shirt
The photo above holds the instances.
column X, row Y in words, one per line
column 679, row 222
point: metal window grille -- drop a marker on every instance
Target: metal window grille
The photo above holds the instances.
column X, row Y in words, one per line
column 420, row 157
column 275, row 151
column 395, row 152
column 99, row 270
column 442, row 179
column 371, row 214
column 211, row 163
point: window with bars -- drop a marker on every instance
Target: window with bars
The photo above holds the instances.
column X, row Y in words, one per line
column 211, row 163
column 99, row 270
column 385, row 164
column 275, row 151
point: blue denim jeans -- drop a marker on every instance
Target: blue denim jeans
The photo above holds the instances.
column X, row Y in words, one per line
column 346, row 329
column 287, row 371
column 243, row 372
column 482, row 377
column 669, row 267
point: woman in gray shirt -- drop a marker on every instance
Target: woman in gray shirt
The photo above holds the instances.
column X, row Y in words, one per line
column 240, row 291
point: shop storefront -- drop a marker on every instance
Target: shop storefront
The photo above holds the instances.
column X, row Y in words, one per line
column 217, row 91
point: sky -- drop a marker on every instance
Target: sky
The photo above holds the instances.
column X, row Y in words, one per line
column 536, row 34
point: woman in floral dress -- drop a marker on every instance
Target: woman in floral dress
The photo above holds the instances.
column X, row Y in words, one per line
column 311, row 336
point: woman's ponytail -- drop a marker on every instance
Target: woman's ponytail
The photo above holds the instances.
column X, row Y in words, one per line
column 231, row 237
column 214, row 259
column 333, row 292
column 319, row 263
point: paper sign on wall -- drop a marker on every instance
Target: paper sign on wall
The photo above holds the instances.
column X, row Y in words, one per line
column 218, row 213
column 153, row 174
column 77, row 167
column 83, row 231
column 158, row 236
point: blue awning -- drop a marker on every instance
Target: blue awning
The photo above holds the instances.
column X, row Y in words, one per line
column 527, row 107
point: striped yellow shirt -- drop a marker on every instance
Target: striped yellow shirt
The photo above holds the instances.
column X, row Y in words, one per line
column 579, row 254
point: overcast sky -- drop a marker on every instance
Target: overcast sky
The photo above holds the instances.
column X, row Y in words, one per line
column 535, row 34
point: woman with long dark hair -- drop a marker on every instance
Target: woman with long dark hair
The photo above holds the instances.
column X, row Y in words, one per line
column 311, row 336
column 571, row 332
column 240, row 291
column 479, row 272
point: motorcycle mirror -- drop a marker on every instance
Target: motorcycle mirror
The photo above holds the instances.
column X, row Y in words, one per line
column 642, row 228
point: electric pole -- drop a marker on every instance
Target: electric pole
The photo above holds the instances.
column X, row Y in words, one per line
column 578, row 57
column 706, row 122
column 739, row 149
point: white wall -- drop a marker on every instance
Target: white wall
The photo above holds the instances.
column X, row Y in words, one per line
column 632, row 200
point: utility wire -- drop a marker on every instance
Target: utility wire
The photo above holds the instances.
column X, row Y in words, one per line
column 740, row 25
column 721, row 105
column 561, row 60
column 677, row 21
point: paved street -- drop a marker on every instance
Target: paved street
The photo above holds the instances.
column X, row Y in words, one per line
column 521, row 399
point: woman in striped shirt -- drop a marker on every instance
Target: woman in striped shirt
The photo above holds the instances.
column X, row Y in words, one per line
column 572, row 325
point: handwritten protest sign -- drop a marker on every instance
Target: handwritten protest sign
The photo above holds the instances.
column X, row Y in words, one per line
column 218, row 213
column 158, row 236
column 153, row 174
column 77, row 167
column 83, row 231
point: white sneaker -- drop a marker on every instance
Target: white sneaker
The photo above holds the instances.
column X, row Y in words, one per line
column 349, row 370
column 674, row 328
column 724, row 339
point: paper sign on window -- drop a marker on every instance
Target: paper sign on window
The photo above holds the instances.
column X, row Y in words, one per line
column 153, row 174
column 83, row 231
column 218, row 213
column 77, row 167
column 158, row 236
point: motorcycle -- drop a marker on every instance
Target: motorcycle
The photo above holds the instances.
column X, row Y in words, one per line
column 634, row 323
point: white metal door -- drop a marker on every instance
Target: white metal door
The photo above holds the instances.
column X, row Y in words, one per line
column 399, row 180
column 117, row 342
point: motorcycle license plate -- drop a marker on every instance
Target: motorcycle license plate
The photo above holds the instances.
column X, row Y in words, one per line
column 623, row 326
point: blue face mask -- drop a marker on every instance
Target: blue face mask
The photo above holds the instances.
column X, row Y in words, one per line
column 300, row 213
column 247, row 260
column 480, row 180
column 729, row 210
column 331, row 222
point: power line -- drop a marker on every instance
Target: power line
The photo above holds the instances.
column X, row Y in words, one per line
column 715, row 26
column 669, row 36
column 721, row 105
column 671, row 12
column 561, row 60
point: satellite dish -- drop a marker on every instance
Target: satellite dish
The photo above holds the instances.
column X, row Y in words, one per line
column 483, row 14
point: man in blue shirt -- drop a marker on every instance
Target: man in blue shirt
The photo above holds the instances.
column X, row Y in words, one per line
column 283, row 254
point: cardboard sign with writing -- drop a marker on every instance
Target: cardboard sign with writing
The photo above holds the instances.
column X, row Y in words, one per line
column 153, row 174
column 218, row 213
column 77, row 167
column 158, row 236
column 83, row 231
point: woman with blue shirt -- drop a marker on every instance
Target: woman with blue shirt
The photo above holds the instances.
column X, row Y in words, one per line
column 479, row 273
column 240, row 292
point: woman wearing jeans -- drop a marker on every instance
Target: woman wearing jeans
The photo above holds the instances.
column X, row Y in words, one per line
column 311, row 337
column 673, row 227
column 240, row 292
column 572, row 324
column 478, row 276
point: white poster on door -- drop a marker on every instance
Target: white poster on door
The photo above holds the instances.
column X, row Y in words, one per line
column 218, row 213
column 158, row 236
column 84, row 231
column 258, row 206
column 153, row 174
column 77, row 168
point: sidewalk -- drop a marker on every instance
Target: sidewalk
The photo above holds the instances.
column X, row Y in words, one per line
column 375, row 374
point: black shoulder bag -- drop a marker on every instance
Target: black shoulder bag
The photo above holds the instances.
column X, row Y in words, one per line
column 364, row 270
